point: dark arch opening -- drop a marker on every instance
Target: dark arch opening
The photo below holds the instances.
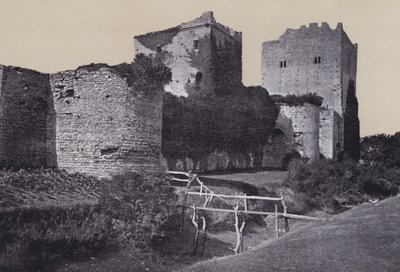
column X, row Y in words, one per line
column 293, row 155
column 279, row 147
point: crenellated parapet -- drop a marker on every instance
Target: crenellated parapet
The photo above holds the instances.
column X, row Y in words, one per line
column 322, row 60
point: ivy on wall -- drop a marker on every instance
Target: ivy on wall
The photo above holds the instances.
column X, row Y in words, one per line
column 194, row 127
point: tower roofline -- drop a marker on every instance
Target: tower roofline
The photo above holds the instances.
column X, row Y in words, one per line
column 312, row 28
column 205, row 20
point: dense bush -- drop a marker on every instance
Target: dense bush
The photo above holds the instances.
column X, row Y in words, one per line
column 195, row 127
column 138, row 206
column 381, row 148
column 48, row 214
column 330, row 185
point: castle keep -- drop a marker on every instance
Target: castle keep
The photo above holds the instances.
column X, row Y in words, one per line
column 318, row 59
column 102, row 120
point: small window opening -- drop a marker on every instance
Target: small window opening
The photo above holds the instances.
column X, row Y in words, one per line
column 69, row 93
column 283, row 64
column 196, row 44
column 317, row 60
column 199, row 76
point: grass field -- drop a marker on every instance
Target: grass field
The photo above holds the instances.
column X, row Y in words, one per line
column 264, row 179
column 366, row 238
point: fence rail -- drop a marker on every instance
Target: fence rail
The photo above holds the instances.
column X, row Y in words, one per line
column 238, row 196
column 208, row 194
column 279, row 214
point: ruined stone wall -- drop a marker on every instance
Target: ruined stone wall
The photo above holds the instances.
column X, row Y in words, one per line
column 281, row 143
column 196, row 53
column 329, row 137
column 104, row 126
column 178, row 54
column 27, row 136
column 215, row 161
column 299, row 48
column 305, row 122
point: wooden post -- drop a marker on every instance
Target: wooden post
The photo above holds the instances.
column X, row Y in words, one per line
column 285, row 218
column 241, row 235
column 204, row 229
column 245, row 203
column 239, row 232
column 196, row 237
column 276, row 222
column 192, row 177
column 286, row 224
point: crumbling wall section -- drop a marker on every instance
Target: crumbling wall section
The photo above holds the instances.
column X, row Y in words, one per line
column 305, row 122
column 281, row 143
column 329, row 135
column 202, row 54
column 178, row 53
column 104, row 126
column 27, row 138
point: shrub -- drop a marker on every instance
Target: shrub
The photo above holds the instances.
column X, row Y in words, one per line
column 381, row 148
column 299, row 100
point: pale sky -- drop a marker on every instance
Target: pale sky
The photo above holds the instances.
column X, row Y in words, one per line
column 54, row 35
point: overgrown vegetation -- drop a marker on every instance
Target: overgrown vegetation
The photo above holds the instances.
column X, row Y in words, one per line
column 299, row 100
column 144, row 73
column 66, row 221
column 381, row 149
column 196, row 127
column 332, row 186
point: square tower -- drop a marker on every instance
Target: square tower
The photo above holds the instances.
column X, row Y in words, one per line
column 204, row 56
column 318, row 59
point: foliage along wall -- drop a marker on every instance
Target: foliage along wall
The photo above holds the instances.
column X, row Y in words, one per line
column 239, row 122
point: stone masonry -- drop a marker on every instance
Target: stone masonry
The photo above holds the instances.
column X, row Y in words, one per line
column 104, row 126
column 27, row 119
column 90, row 120
column 318, row 59
column 203, row 55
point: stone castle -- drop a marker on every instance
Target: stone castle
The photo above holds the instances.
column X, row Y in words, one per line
column 310, row 60
column 96, row 120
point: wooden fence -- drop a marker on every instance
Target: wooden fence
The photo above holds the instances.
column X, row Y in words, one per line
column 208, row 194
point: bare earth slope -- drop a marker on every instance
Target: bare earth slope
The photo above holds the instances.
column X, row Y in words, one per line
column 366, row 238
